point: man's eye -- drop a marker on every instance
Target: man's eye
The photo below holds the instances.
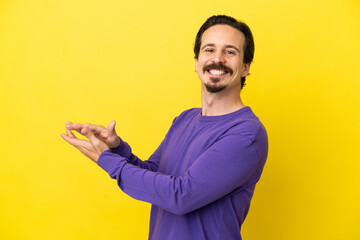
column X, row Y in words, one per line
column 208, row 50
column 230, row 52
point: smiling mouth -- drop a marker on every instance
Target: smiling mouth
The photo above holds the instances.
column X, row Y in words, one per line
column 217, row 69
column 217, row 72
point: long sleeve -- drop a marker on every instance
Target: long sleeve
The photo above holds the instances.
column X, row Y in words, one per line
column 230, row 163
column 124, row 150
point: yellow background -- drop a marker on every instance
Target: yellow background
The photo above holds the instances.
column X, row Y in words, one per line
column 96, row 61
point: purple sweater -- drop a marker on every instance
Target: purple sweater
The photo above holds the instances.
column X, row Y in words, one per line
column 201, row 178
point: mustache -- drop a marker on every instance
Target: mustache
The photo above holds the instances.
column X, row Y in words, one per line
column 218, row 66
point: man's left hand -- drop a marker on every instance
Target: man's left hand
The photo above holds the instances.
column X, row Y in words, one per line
column 91, row 148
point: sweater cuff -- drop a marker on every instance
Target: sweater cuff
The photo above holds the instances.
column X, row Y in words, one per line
column 123, row 149
column 111, row 163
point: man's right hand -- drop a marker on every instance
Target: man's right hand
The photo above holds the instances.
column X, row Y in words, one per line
column 107, row 135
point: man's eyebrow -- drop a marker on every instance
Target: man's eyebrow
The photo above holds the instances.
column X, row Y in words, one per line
column 208, row 45
column 231, row 46
column 226, row 46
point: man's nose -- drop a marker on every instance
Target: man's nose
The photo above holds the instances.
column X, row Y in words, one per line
column 218, row 57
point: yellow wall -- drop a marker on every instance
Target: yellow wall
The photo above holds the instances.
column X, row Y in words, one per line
column 95, row 61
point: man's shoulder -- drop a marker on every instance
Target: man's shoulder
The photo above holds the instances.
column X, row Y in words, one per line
column 189, row 114
column 191, row 111
column 247, row 124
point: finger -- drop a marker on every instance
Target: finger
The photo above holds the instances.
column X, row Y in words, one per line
column 71, row 140
column 97, row 129
column 111, row 128
column 104, row 134
column 89, row 134
column 75, row 126
column 70, row 134
column 72, row 126
column 79, row 126
column 99, row 146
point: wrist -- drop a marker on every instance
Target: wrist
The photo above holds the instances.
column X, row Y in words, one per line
column 116, row 144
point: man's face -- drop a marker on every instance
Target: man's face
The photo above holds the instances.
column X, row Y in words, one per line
column 220, row 62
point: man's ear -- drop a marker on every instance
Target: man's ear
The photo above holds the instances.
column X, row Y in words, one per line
column 196, row 63
column 246, row 69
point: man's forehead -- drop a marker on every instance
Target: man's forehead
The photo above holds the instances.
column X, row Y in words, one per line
column 222, row 34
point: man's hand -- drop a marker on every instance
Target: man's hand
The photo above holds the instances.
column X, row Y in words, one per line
column 91, row 148
column 108, row 135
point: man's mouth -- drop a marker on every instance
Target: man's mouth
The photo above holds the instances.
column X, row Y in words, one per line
column 217, row 69
column 216, row 72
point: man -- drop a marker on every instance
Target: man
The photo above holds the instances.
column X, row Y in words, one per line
column 202, row 177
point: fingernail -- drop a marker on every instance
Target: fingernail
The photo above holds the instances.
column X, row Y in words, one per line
column 85, row 131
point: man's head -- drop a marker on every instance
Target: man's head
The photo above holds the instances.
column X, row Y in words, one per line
column 225, row 24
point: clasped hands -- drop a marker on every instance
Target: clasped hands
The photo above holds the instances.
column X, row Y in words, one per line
column 99, row 138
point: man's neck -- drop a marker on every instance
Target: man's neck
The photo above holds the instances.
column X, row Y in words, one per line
column 220, row 103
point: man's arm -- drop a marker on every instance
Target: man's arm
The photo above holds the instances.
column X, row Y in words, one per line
column 111, row 139
column 125, row 151
column 225, row 166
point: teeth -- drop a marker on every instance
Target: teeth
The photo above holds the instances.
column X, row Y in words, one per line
column 216, row 72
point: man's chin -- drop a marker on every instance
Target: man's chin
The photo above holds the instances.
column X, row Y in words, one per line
column 214, row 88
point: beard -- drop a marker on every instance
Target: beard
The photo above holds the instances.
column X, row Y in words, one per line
column 212, row 87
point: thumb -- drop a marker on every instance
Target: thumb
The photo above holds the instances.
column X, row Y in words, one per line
column 111, row 128
column 89, row 134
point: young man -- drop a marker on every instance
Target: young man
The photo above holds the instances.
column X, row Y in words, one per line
column 202, row 177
